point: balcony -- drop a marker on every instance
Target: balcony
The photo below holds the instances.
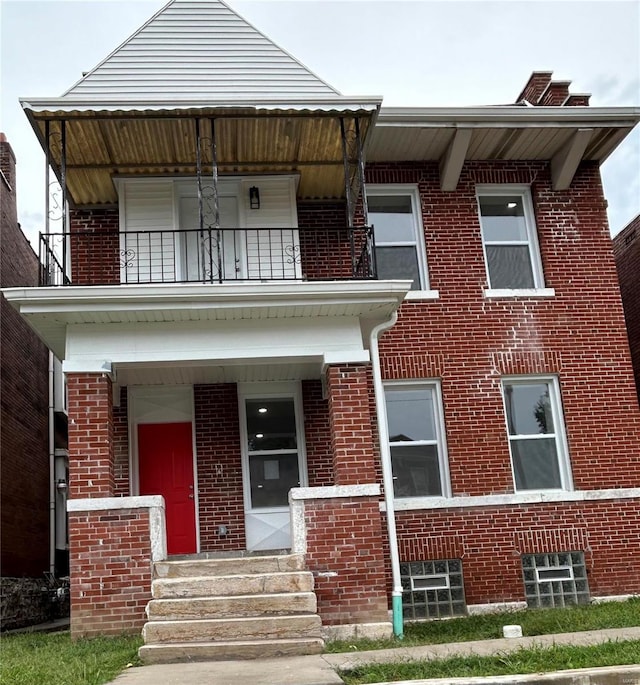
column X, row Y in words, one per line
column 226, row 255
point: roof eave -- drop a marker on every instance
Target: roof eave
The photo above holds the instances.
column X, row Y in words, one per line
column 69, row 105
column 510, row 115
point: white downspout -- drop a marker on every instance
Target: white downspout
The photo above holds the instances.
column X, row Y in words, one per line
column 52, row 467
column 387, row 473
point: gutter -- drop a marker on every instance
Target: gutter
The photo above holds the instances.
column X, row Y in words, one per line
column 387, row 473
column 504, row 116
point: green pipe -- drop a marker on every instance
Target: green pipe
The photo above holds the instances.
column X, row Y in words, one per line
column 396, row 607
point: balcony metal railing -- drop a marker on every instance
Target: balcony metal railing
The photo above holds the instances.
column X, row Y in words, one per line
column 206, row 256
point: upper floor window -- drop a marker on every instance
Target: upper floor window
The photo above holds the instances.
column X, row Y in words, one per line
column 509, row 238
column 536, row 434
column 394, row 214
column 416, row 439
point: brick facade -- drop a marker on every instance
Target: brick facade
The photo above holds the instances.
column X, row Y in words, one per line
column 491, row 540
column 626, row 247
column 468, row 342
column 24, row 359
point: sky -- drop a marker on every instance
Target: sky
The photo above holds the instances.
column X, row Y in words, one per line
column 413, row 53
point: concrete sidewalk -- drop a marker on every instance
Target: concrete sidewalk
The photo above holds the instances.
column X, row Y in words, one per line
column 323, row 669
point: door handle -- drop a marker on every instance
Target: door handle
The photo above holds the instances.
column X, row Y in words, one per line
column 190, row 495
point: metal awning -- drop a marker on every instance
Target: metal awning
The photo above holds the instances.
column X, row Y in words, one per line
column 104, row 141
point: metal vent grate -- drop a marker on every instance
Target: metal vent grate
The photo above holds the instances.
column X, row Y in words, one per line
column 555, row 580
column 432, row 589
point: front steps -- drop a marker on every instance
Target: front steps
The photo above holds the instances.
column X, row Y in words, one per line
column 245, row 607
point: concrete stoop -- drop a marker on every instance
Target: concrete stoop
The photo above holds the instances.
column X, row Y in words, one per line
column 231, row 608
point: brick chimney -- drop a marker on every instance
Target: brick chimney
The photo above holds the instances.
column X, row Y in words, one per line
column 541, row 91
column 535, row 86
column 7, row 164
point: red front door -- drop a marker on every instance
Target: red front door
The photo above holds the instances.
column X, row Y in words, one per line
column 165, row 461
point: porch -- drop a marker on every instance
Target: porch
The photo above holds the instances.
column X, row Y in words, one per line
column 166, row 384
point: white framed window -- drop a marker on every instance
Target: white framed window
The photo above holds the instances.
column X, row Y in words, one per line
column 394, row 212
column 509, row 238
column 535, row 426
column 417, row 439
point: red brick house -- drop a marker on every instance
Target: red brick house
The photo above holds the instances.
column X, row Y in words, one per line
column 626, row 249
column 410, row 370
column 33, row 542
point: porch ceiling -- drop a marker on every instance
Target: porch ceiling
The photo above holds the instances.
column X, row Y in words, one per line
column 105, row 143
column 204, row 374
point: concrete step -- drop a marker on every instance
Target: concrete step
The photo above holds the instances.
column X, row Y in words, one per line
column 232, row 606
column 254, row 628
column 227, row 566
column 221, row 651
column 214, row 586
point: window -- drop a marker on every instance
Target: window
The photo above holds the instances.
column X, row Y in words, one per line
column 432, row 589
column 536, row 434
column 416, row 439
column 555, row 580
column 399, row 238
column 509, row 238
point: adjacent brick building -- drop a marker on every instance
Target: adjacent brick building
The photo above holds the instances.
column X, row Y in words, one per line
column 439, row 413
column 25, row 390
column 626, row 248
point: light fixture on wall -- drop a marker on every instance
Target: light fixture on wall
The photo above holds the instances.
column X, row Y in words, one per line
column 61, row 485
column 254, row 197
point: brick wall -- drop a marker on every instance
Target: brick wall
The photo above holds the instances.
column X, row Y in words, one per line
column 24, row 465
column 471, row 342
column 626, row 246
column 345, row 553
column 490, row 540
column 121, row 446
column 91, row 445
column 217, row 426
column 324, row 242
column 350, row 424
column 95, row 246
column 110, row 552
column 317, row 433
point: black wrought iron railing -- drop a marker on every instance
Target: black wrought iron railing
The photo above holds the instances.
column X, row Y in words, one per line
column 206, row 256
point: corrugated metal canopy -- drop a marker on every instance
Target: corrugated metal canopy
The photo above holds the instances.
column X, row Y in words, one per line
column 101, row 145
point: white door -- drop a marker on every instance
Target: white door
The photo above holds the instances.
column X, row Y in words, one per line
column 211, row 255
column 273, row 463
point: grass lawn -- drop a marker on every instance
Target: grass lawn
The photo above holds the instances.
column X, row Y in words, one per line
column 523, row 661
column 54, row 659
column 489, row 626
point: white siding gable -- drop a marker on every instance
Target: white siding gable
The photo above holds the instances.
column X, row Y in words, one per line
column 202, row 49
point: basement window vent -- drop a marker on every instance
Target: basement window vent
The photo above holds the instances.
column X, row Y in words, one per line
column 432, row 589
column 555, row 580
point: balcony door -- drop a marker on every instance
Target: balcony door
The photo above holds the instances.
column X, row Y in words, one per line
column 273, row 463
column 211, row 255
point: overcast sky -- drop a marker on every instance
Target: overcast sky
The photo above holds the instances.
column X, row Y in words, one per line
column 425, row 53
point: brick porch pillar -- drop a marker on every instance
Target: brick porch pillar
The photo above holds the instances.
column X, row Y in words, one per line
column 350, row 422
column 339, row 527
column 91, row 455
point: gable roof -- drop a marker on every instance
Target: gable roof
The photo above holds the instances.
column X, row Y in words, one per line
column 198, row 50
